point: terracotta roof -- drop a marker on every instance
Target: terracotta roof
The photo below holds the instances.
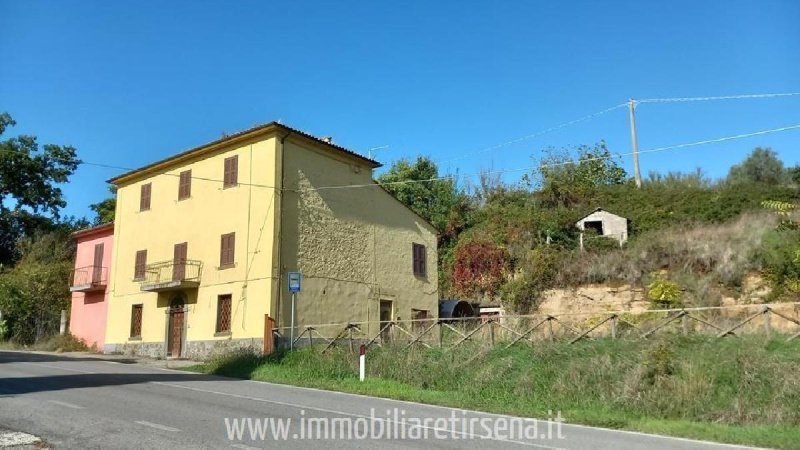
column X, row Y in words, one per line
column 250, row 132
column 99, row 228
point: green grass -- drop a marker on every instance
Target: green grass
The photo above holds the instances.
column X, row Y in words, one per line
column 736, row 390
column 58, row 343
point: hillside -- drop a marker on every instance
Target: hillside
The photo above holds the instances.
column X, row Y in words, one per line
column 698, row 238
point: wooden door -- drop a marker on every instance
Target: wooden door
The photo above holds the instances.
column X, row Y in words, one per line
column 175, row 338
column 97, row 267
column 385, row 315
column 179, row 262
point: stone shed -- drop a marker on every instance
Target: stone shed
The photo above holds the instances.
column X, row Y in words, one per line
column 605, row 224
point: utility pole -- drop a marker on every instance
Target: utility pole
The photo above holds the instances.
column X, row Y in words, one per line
column 634, row 143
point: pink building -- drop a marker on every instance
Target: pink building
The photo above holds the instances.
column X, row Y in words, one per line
column 89, row 284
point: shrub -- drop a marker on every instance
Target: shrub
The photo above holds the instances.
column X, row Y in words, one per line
column 664, row 293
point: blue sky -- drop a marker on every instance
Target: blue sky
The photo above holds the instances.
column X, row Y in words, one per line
column 128, row 83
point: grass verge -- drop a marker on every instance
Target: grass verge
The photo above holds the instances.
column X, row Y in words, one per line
column 736, row 390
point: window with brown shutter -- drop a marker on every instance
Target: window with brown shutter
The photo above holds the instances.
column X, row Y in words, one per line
column 227, row 250
column 231, row 172
column 144, row 197
column 185, row 185
column 418, row 259
column 420, row 317
column 224, row 313
column 141, row 264
column 136, row 321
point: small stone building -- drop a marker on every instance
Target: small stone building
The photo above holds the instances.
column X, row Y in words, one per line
column 605, row 224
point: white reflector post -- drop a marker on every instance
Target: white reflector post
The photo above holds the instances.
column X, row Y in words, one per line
column 362, row 362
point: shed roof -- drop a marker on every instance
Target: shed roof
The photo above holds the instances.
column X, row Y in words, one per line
column 598, row 210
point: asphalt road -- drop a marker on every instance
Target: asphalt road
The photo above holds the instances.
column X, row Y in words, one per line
column 88, row 403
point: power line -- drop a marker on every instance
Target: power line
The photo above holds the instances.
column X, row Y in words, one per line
column 684, row 145
column 565, row 163
column 533, row 135
column 723, row 97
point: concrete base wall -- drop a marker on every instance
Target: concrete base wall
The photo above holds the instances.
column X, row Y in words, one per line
column 197, row 350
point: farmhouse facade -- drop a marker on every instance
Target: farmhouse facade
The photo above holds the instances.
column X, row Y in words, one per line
column 89, row 284
column 204, row 241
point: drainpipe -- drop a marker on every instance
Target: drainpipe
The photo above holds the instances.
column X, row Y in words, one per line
column 279, row 210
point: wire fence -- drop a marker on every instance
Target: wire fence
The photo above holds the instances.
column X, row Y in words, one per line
column 780, row 320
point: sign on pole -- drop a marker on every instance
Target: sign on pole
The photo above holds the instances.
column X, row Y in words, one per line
column 294, row 282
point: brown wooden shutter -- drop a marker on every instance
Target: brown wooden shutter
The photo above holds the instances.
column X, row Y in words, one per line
column 227, row 250
column 185, row 185
column 141, row 264
column 179, row 261
column 231, row 173
column 418, row 256
column 144, row 198
column 97, row 267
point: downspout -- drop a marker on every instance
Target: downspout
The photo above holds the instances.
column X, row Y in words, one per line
column 279, row 232
column 247, row 244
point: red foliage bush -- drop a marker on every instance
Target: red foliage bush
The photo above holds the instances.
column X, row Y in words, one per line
column 479, row 269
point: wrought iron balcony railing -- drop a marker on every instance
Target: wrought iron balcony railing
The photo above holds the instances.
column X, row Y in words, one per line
column 172, row 275
column 88, row 279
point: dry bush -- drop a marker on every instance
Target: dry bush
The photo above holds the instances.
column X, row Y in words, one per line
column 706, row 254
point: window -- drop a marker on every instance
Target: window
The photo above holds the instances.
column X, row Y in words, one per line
column 136, row 321
column 231, row 173
column 185, row 185
column 420, row 317
column 418, row 257
column 140, row 265
column 144, row 197
column 226, row 250
column 224, row 313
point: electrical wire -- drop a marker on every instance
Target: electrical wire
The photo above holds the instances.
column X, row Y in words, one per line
column 532, row 135
column 722, row 97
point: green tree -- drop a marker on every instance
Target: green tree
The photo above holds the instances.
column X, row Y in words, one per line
column 564, row 180
column 104, row 210
column 761, row 166
column 419, row 186
column 34, row 291
column 30, row 198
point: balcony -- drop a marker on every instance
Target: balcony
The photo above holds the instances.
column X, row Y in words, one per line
column 171, row 276
column 88, row 279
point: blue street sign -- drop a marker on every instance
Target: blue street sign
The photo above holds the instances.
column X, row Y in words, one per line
column 294, row 282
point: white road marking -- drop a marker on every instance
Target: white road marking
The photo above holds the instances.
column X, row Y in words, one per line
column 56, row 367
column 68, row 405
column 343, row 413
column 156, row 426
column 244, row 447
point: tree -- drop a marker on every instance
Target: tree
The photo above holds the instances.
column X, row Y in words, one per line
column 29, row 194
column 794, row 174
column 436, row 199
column 104, row 210
column 35, row 290
column 761, row 166
column 566, row 181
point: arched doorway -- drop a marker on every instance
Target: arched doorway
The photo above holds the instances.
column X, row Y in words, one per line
column 176, row 326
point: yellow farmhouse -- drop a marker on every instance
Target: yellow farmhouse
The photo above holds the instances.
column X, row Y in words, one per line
column 204, row 241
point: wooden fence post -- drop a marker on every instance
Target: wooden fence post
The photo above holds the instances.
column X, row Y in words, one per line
column 550, row 328
column 491, row 332
column 441, row 333
column 613, row 326
column 269, row 326
column 685, row 323
column 767, row 324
